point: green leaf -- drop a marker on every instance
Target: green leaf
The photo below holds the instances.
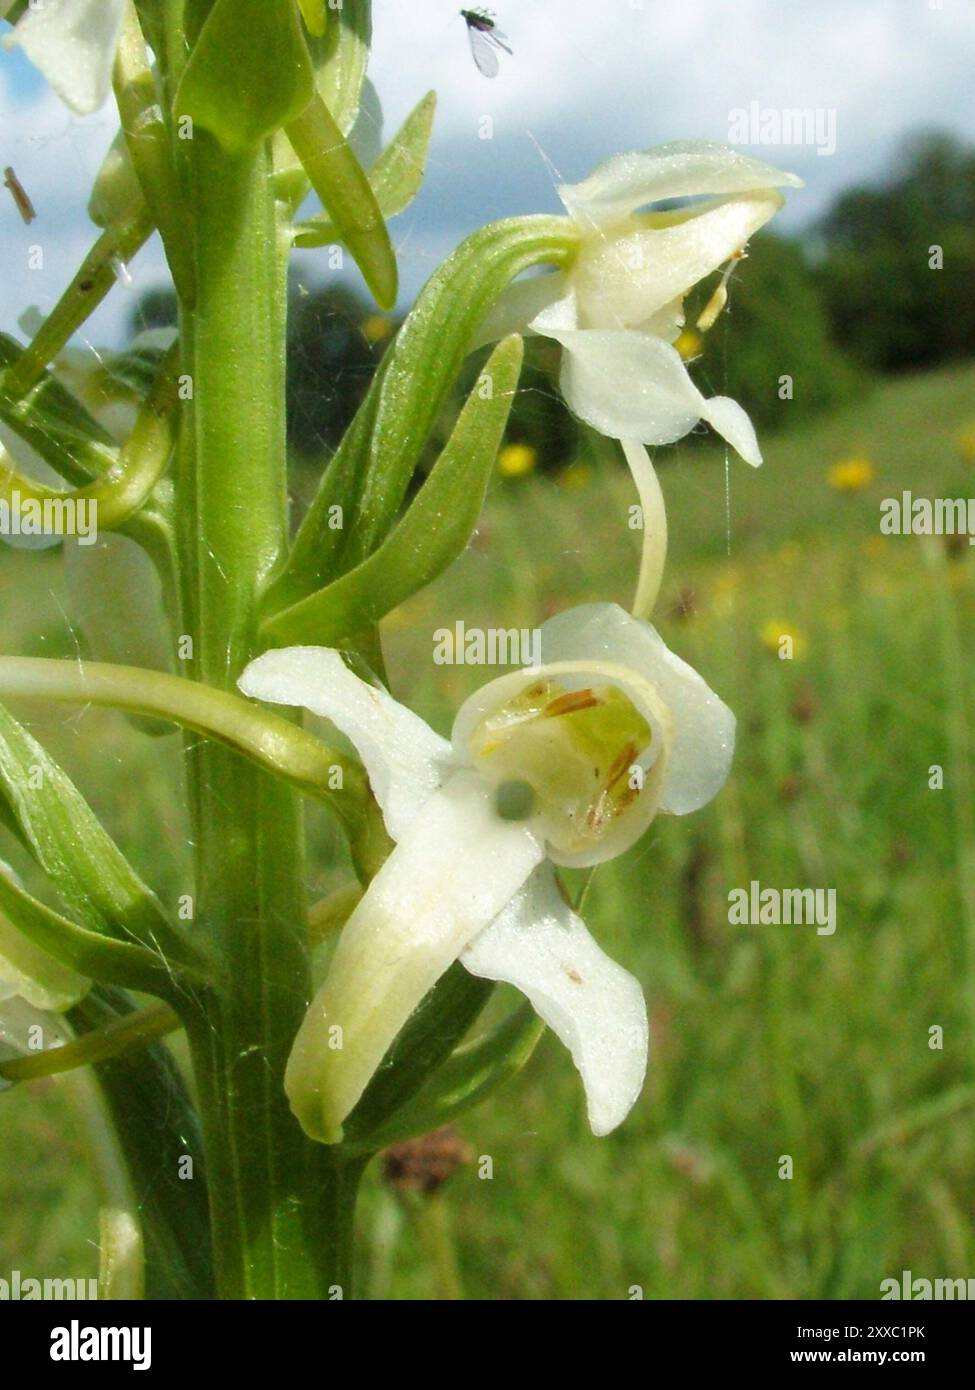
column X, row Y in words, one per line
column 434, row 530
column 467, row 1078
column 429, row 1037
column 45, row 982
column 340, row 181
column 56, row 425
column 87, row 952
column 395, row 177
column 249, row 74
column 70, row 844
column 370, row 472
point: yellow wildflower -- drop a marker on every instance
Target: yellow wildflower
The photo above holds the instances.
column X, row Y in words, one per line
column 852, row 474
column 783, row 640
column 376, row 328
column 515, row 460
column 575, row 477
column 966, row 442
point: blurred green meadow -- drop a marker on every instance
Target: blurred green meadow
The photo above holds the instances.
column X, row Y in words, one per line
column 768, row 1041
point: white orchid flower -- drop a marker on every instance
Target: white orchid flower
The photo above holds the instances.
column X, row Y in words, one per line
column 562, row 764
column 73, row 43
column 618, row 308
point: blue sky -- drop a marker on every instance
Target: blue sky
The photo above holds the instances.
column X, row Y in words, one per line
column 588, row 78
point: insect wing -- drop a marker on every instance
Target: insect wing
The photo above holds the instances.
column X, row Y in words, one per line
column 501, row 40
column 483, row 51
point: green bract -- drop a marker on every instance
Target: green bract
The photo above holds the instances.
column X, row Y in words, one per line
column 249, row 72
column 339, row 180
column 370, row 473
column 435, row 528
column 395, row 177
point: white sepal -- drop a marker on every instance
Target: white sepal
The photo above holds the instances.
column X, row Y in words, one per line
column 539, row 945
column 682, row 169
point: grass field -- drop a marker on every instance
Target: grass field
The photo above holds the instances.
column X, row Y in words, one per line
column 767, row 1041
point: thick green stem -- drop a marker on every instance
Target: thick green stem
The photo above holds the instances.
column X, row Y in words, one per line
column 276, row 1199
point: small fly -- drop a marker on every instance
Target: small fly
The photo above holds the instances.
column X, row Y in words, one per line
column 486, row 38
column 24, row 205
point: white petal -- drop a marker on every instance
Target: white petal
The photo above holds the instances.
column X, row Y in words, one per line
column 521, row 302
column 703, row 738
column 730, row 421
column 73, row 42
column 626, row 279
column 666, row 322
column 449, row 876
column 540, row 946
column 683, row 169
column 561, row 315
column 632, row 386
column 404, row 758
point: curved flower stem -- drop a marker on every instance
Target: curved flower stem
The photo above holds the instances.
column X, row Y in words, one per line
column 653, row 556
column 266, row 739
column 121, row 1035
column 141, row 462
column 331, row 913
